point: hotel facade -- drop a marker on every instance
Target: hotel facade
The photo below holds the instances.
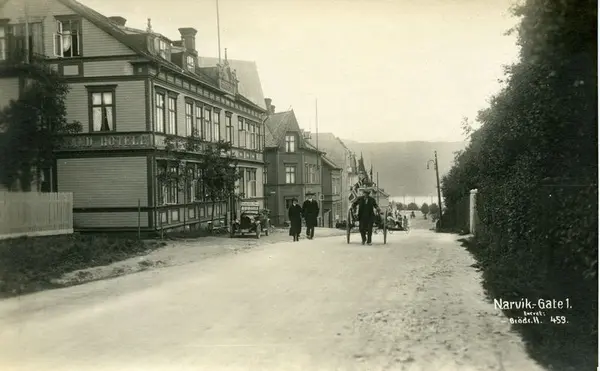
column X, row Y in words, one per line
column 131, row 90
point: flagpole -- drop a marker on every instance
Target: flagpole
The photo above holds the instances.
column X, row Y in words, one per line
column 317, row 122
column 218, row 31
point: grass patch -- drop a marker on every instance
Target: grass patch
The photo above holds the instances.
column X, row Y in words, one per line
column 29, row 264
column 571, row 346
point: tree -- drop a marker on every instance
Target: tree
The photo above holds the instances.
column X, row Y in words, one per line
column 400, row 206
column 425, row 209
column 33, row 126
column 219, row 173
column 413, row 207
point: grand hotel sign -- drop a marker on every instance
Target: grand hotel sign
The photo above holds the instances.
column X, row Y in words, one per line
column 95, row 142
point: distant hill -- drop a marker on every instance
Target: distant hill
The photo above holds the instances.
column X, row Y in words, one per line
column 402, row 166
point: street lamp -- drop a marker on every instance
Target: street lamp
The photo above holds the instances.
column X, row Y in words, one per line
column 437, row 179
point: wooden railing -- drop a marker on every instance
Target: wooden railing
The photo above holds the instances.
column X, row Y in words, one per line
column 35, row 214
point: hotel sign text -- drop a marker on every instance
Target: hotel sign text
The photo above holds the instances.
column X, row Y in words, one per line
column 91, row 142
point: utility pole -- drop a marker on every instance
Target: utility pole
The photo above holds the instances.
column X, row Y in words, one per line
column 437, row 179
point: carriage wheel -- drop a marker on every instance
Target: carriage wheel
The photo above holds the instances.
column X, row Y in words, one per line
column 385, row 218
column 348, row 226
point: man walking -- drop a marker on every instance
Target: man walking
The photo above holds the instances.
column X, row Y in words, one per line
column 366, row 215
column 310, row 211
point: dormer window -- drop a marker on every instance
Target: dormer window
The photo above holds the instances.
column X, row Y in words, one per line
column 191, row 65
column 161, row 47
column 290, row 143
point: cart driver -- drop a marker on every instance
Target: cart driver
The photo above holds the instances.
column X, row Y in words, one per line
column 366, row 215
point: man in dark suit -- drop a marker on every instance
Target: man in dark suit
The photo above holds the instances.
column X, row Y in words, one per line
column 310, row 211
column 366, row 215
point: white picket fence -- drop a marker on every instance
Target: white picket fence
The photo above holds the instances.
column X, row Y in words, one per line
column 35, row 214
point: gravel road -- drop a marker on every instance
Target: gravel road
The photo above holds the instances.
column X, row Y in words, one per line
column 413, row 304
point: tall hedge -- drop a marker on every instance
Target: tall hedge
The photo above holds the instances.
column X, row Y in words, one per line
column 534, row 159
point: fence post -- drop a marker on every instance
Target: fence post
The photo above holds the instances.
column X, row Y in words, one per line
column 472, row 211
column 139, row 220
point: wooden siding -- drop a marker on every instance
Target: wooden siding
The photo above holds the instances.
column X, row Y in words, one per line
column 9, row 90
column 107, row 68
column 104, row 182
column 110, row 219
column 95, row 41
column 130, row 110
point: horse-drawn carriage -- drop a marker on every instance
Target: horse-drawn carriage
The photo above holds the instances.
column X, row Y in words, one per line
column 385, row 221
column 252, row 220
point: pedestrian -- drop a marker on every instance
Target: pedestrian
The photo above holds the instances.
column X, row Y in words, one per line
column 405, row 223
column 310, row 211
column 295, row 215
column 366, row 215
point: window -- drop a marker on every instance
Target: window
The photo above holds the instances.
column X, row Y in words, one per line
column 200, row 186
column 207, row 124
column 247, row 132
column 229, row 129
column 217, row 126
column 169, row 193
column 253, row 136
column 190, row 178
column 241, row 132
column 160, row 112
column 189, row 118
column 259, row 137
column 102, row 108
column 67, row 39
column 199, row 124
column 313, row 174
column 3, row 43
column 290, row 174
column 290, row 143
column 251, row 182
column 191, row 65
column 161, row 47
column 172, row 124
column 242, row 182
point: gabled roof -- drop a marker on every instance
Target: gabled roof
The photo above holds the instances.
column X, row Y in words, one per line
column 136, row 40
column 278, row 124
column 247, row 73
column 330, row 163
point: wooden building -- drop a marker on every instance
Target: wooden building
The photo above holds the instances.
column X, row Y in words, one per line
column 131, row 89
column 293, row 164
column 332, row 209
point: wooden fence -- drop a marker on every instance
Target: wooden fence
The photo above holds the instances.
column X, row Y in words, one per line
column 35, row 214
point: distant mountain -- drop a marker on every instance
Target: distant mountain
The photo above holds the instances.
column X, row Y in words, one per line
column 402, row 166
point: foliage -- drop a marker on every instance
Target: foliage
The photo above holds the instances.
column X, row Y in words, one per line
column 425, row 209
column 534, row 160
column 412, row 207
column 400, row 206
column 30, row 264
column 220, row 171
column 33, row 126
column 434, row 210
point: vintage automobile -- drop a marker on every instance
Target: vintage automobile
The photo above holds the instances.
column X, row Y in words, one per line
column 252, row 220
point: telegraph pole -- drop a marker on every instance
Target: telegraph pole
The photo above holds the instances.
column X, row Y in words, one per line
column 437, row 178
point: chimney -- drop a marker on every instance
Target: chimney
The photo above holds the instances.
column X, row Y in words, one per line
column 188, row 35
column 118, row 20
column 270, row 107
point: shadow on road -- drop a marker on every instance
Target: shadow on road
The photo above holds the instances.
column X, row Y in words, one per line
column 571, row 346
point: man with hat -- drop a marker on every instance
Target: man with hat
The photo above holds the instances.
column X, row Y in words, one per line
column 310, row 210
column 366, row 215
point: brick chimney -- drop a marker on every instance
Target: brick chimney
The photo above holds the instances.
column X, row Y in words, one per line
column 270, row 107
column 118, row 20
column 188, row 35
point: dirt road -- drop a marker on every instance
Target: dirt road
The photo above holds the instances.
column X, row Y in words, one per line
column 413, row 304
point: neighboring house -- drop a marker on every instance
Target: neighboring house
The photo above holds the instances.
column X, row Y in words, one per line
column 293, row 164
column 131, row 89
column 332, row 193
column 341, row 155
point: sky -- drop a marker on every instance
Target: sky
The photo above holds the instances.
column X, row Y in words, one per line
column 374, row 70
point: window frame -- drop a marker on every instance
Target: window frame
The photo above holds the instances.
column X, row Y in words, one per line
column 199, row 120
column 59, row 34
column 102, row 89
column 163, row 114
column 4, row 41
column 189, row 117
column 171, row 115
column 190, row 66
column 290, row 143
column 229, row 127
column 207, row 124
column 250, row 180
column 216, row 125
column 241, row 132
column 291, row 174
